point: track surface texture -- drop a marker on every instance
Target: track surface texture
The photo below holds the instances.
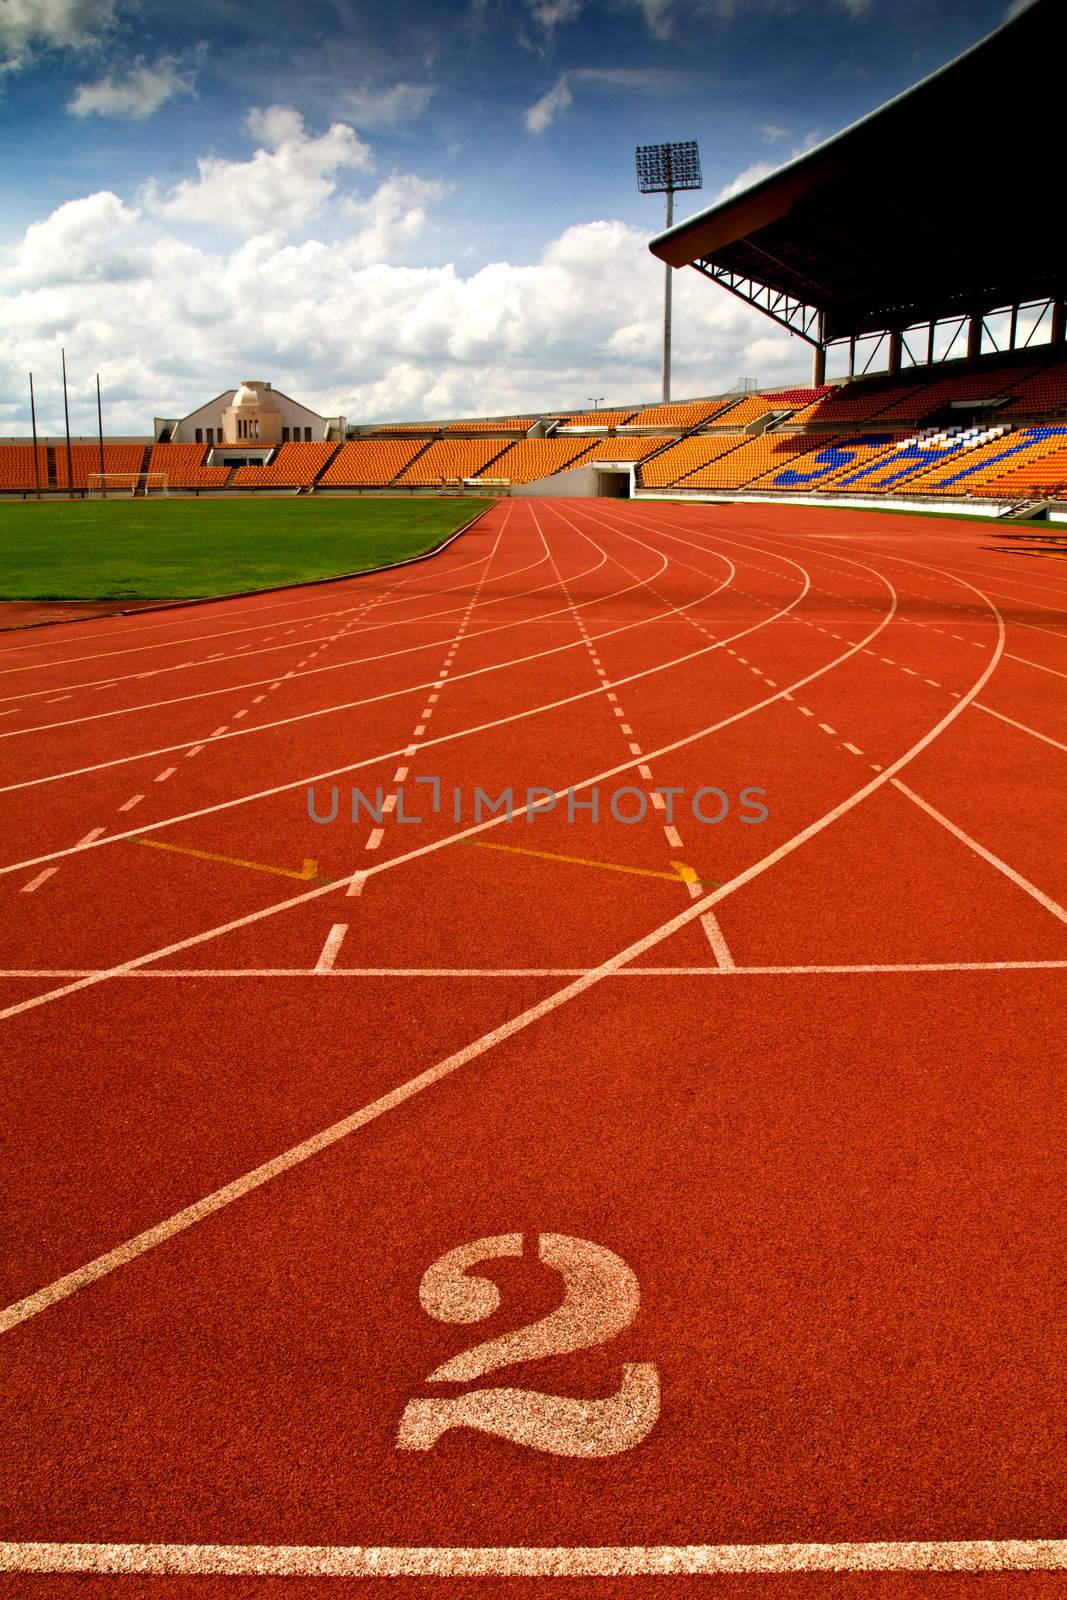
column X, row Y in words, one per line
column 475, row 1206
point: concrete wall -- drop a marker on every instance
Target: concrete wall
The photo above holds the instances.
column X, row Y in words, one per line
column 577, row 483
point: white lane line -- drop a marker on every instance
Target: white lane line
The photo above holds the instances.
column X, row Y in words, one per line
column 374, row 839
column 1022, row 727
column 717, row 940
column 534, row 1561
column 134, row 800
column 168, row 772
column 355, row 887
column 42, row 877
column 1017, row 878
column 334, row 940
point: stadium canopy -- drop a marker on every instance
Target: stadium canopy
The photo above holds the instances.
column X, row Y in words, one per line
column 944, row 203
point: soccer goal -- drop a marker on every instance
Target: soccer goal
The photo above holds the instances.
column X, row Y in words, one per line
column 125, row 484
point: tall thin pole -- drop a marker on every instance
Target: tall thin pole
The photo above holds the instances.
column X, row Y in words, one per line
column 66, row 418
column 100, row 436
column 33, row 425
column 667, row 310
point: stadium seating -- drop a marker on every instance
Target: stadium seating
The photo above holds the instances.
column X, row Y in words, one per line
column 501, row 425
column 688, row 415
column 816, row 468
column 620, row 449
column 752, row 459
column 920, row 401
column 1036, row 476
column 739, row 415
column 1042, row 394
column 1022, row 450
column 85, row 459
column 293, row 466
column 795, row 397
column 686, row 456
column 598, row 419
column 449, row 460
column 538, row 458
column 369, row 463
column 16, row 466
column 183, row 465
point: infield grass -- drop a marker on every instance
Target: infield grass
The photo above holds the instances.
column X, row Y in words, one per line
column 188, row 549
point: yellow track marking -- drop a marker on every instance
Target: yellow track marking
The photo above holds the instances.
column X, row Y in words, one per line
column 307, row 872
column 681, row 872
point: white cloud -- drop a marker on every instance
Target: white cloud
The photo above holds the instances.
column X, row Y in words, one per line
column 771, row 133
column 745, row 179
column 347, row 326
column 391, row 220
column 29, row 25
column 136, row 93
column 544, row 112
column 287, row 181
column 387, row 108
column 552, row 14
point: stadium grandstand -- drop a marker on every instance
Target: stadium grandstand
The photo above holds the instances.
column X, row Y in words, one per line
column 950, row 328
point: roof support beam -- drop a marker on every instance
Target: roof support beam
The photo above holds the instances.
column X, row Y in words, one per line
column 789, row 313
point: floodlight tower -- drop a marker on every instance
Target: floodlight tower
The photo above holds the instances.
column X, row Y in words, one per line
column 661, row 169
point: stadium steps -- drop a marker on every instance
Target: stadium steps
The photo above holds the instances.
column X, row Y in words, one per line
column 309, row 488
column 421, row 451
column 486, row 465
column 50, row 459
column 1022, row 510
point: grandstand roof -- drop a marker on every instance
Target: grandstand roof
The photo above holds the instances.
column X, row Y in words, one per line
column 940, row 203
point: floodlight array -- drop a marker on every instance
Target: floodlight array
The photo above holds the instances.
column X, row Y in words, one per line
column 662, row 168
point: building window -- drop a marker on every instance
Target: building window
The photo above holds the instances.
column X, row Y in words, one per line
column 211, row 436
column 285, row 436
column 307, row 435
column 199, row 435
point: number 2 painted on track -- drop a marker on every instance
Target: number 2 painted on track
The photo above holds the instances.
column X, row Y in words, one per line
column 601, row 1298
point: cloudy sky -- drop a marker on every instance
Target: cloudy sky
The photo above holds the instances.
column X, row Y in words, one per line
column 401, row 208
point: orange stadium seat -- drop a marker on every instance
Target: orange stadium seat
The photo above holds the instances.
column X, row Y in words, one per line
column 16, row 466
column 484, row 425
column 85, row 459
column 539, row 458
column 739, row 415
column 620, row 449
column 1042, row 394
column 369, row 463
column 293, row 466
column 184, row 466
column 921, row 401
column 598, row 419
column 831, row 457
column 1037, row 476
column 447, row 460
column 687, row 415
column 1025, row 450
column 685, row 456
column 751, row 460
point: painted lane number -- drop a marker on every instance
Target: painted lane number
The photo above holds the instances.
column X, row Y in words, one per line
column 601, row 1297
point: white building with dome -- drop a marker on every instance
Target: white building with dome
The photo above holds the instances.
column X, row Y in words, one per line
column 247, row 423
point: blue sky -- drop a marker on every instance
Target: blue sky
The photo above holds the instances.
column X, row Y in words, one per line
column 403, row 209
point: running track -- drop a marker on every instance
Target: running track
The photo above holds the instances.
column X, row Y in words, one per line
column 799, row 1105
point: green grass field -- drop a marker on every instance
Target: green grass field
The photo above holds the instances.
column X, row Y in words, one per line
column 186, row 549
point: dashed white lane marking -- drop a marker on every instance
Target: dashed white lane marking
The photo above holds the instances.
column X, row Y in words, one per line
column 239, row 714
column 388, row 804
column 94, row 833
column 1017, row 878
column 42, row 877
column 355, row 887
column 932, row 682
column 826, row 728
column 328, row 954
column 134, row 800
column 400, row 774
column 635, row 749
column 805, row 711
column 374, row 838
column 856, row 751
column 673, row 837
column 719, row 948
column 535, row 1561
column 168, row 772
column 645, row 771
column 195, row 751
column 218, row 731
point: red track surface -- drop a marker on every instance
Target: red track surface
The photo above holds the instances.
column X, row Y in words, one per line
column 812, row 1100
